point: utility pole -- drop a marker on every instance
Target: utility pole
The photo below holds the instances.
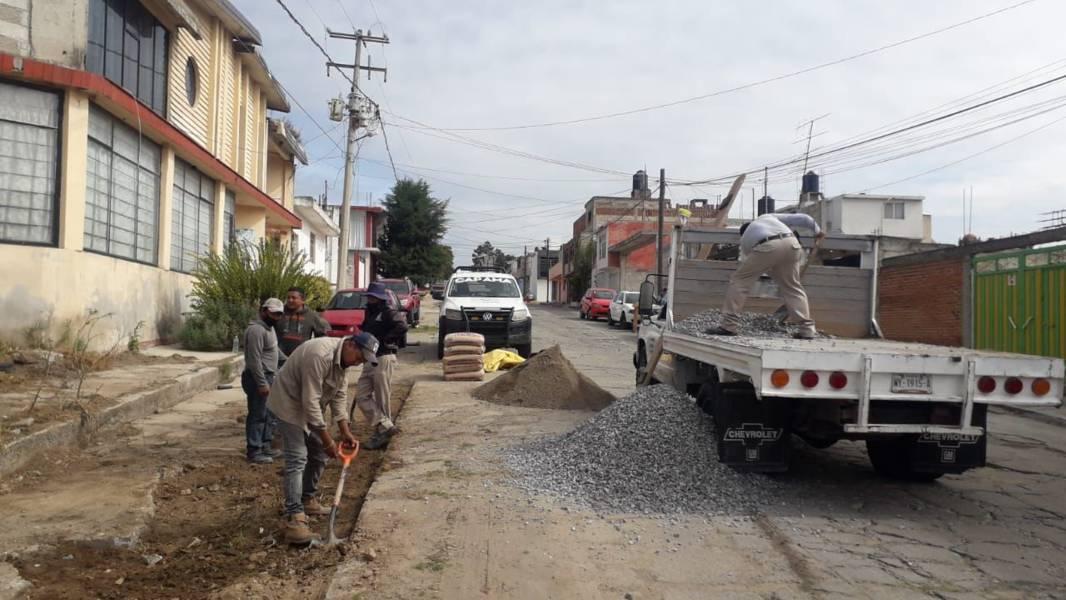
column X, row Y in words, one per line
column 356, row 108
column 548, row 261
column 662, row 207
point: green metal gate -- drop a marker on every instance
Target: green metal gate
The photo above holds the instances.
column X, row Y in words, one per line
column 1019, row 301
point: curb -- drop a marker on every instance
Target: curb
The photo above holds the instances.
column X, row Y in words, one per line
column 1059, row 421
column 129, row 407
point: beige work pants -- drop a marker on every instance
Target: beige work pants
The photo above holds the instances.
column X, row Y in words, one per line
column 373, row 392
column 781, row 259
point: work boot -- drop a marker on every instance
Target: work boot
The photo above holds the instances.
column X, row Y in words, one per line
column 805, row 334
column 260, row 459
column 313, row 507
column 295, row 530
column 718, row 330
column 273, row 452
column 381, row 439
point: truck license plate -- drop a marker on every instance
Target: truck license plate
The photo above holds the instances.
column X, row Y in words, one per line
column 911, row 383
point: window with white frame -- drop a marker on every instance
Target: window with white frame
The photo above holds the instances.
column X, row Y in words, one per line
column 894, row 210
column 192, row 217
column 312, row 252
column 29, row 159
column 121, row 190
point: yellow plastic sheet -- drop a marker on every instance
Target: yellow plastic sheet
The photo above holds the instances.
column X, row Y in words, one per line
column 499, row 360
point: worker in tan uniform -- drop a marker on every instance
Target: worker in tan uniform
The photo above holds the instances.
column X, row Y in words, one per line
column 768, row 245
column 313, row 380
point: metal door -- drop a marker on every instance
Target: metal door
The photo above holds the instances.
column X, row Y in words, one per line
column 1019, row 301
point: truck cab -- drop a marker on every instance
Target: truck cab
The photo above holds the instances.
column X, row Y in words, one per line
column 488, row 301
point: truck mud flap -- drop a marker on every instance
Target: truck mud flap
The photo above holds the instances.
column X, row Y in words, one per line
column 951, row 452
column 753, row 435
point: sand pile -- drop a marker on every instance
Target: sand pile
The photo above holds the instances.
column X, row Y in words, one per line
column 547, row 380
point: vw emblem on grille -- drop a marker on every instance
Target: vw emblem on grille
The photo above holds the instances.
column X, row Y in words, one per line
column 486, row 317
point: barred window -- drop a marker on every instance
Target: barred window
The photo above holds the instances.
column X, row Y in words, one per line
column 29, row 147
column 121, row 191
column 128, row 46
column 193, row 216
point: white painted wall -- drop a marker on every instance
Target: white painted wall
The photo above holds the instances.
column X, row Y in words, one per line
column 319, row 264
column 867, row 216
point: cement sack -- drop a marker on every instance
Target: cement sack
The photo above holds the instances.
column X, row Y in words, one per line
column 464, row 339
column 478, row 375
column 464, row 350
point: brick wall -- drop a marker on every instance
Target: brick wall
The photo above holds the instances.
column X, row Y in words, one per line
column 922, row 302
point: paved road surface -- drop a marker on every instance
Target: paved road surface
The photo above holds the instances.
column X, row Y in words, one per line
column 447, row 525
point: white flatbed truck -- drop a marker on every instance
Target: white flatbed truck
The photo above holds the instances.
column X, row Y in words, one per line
column 922, row 409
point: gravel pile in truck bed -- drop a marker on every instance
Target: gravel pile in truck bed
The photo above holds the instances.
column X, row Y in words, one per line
column 751, row 325
column 651, row 452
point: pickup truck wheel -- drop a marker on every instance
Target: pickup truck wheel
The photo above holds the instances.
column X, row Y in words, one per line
column 707, row 398
column 892, row 458
column 622, row 321
column 581, row 314
column 641, row 363
column 524, row 350
column 610, row 320
column 440, row 344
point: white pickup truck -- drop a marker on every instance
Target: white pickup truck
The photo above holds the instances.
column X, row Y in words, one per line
column 922, row 409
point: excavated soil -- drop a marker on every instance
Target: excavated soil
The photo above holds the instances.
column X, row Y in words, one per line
column 546, row 380
column 215, row 527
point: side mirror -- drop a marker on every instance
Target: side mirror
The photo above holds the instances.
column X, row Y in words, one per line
column 647, row 299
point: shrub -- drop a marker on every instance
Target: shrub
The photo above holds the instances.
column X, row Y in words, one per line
column 229, row 287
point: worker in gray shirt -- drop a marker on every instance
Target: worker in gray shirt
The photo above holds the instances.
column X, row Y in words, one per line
column 260, row 365
column 768, row 245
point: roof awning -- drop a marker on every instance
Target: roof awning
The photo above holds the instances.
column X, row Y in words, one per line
column 176, row 13
column 312, row 214
column 633, row 242
column 285, row 139
column 261, row 74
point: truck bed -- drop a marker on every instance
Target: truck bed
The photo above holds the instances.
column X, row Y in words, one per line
column 870, row 365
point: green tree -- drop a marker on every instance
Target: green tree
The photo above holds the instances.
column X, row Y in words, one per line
column 581, row 277
column 415, row 223
column 494, row 257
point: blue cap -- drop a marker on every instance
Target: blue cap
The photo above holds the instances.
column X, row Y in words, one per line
column 368, row 344
column 377, row 290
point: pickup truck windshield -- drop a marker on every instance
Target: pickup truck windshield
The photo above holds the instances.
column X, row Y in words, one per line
column 631, row 298
column 499, row 288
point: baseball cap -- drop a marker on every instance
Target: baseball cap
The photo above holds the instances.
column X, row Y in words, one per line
column 368, row 344
column 274, row 305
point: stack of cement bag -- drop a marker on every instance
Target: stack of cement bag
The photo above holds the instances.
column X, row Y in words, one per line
column 463, row 357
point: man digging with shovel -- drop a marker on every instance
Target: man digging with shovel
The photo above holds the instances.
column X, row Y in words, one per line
column 767, row 245
column 312, row 380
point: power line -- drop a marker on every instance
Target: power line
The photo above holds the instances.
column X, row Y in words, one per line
column 308, row 35
column 753, row 84
column 486, row 176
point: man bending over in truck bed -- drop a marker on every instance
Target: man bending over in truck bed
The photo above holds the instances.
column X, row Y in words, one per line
column 767, row 245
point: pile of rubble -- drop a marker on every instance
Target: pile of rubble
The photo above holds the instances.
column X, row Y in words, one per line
column 651, row 452
column 759, row 325
column 547, row 380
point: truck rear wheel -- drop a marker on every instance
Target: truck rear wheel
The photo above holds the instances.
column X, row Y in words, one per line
column 707, row 399
column 893, row 458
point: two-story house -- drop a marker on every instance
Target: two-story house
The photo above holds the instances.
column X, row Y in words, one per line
column 134, row 139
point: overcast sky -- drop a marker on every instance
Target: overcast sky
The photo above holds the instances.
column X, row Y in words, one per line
column 491, row 63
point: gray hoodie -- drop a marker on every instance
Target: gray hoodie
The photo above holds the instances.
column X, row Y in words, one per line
column 260, row 352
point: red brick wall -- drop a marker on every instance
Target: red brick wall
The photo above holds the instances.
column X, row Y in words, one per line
column 922, row 302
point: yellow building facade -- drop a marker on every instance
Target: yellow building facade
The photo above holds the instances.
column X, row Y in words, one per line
column 134, row 138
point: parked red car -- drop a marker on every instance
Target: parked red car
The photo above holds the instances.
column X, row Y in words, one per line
column 347, row 309
column 407, row 293
column 596, row 303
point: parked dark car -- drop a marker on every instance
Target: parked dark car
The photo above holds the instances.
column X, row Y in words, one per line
column 436, row 290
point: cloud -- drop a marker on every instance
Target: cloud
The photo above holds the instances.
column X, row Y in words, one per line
column 486, row 63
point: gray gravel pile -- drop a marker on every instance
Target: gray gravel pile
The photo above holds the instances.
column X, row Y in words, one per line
column 651, row 452
column 751, row 325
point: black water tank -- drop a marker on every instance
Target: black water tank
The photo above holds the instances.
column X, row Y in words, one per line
column 640, row 181
column 766, row 205
column 810, row 183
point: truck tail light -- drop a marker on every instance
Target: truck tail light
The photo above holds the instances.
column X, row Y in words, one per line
column 986, row 384
column 809, row 379
column 838, row 380
column 779, row 378
column 1041, row 387
column 1013, row 385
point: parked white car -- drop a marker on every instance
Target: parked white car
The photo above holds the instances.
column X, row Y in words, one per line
column 621, row 310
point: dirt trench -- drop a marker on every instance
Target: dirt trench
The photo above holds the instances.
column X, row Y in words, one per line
column 213, row 533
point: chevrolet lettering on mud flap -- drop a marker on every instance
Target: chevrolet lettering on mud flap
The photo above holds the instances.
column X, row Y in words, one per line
column 752, row 435
column 949, row 443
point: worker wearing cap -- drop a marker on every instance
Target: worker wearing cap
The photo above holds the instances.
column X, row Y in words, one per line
column 373, row 390
column 313, row 380
column 260, row 365
column 768, row 245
